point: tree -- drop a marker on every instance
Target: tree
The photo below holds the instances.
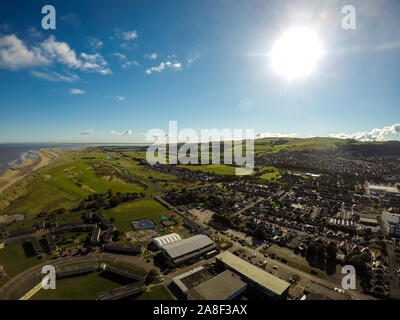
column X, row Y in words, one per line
column 151, row 276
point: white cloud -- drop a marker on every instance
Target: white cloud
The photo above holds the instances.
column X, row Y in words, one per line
column 61, row 52
column 168, row 64
column 15, row 55
column 54, row 76
column 151, row 56
column 129, row 35
column 76, row 91
column 122, row 133
column 373, row 135
column 275, row 135
column 119, row 98
column 86, row 132
column 128, row 64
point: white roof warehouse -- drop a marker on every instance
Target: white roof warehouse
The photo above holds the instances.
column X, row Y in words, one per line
column 188, row 248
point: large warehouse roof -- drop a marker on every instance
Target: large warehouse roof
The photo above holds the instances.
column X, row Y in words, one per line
column 167, row 239
column 253, row 273
column 186, row 246
column 224, row 286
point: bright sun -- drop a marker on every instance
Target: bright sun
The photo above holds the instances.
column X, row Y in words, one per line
column 296, row 53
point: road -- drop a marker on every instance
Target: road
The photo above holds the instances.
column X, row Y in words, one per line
column 394, row 285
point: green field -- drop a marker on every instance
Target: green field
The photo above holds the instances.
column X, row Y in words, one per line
column 158, row 292
column 86, row 287
column 271, row 174
column 136, row 210
column 14, row 260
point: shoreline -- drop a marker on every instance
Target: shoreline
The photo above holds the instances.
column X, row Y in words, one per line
column 12, row 175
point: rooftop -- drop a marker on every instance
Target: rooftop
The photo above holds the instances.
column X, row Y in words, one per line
column 254, row 273
column 220, row 287
column 186, row 246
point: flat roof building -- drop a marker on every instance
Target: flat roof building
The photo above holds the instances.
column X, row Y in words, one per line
column 188, row 248
column 224, row 286
column 273, row 286
column 391, row 222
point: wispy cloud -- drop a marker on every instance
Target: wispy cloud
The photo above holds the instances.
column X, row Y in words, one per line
column 120, row 55
column 76, row 91
column 151, row 56
column 119, row 98
column 95, row 43
column 275, row 135
column 122, row 133
column 130, row 35
column 373, row 135
column 54, row 76
column 163, row 65
column 128, row 64
column 86, row 132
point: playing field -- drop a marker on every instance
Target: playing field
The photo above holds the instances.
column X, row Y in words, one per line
column 86, row 287
column 14, row 260
column 136, row 210
column 158, row 292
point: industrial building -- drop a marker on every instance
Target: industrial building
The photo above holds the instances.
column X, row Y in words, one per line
column 200, row 284
column 167, row 239
column 272, row 286
column 391, row 222
column 189, row 248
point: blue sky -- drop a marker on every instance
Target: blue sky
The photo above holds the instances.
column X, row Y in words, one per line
column 112, row 70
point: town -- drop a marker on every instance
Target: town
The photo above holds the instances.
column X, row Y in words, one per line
column 284, row 232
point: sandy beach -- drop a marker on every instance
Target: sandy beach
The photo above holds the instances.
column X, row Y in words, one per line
column 13, row 175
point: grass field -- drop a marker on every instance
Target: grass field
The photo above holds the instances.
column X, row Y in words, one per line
column 14, row 260
column 271, row 174
column 86, row 287
column 158, row 292
column 136, row 210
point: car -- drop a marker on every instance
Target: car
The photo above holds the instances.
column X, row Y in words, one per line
column 275, row 267
column 339, row 290
column 266, row 255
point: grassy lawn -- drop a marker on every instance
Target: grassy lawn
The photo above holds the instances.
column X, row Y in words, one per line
column 159, row 292
column 136, row 210
column 86, row 287
column 14, row 260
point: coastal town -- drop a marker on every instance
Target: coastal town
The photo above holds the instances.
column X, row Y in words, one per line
column 284, row 232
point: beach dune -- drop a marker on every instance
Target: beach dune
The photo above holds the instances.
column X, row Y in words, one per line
column 13, row 175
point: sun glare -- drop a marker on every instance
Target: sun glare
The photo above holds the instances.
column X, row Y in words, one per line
column 296, row 53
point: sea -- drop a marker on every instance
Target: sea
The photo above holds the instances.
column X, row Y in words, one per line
column 12, row 155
